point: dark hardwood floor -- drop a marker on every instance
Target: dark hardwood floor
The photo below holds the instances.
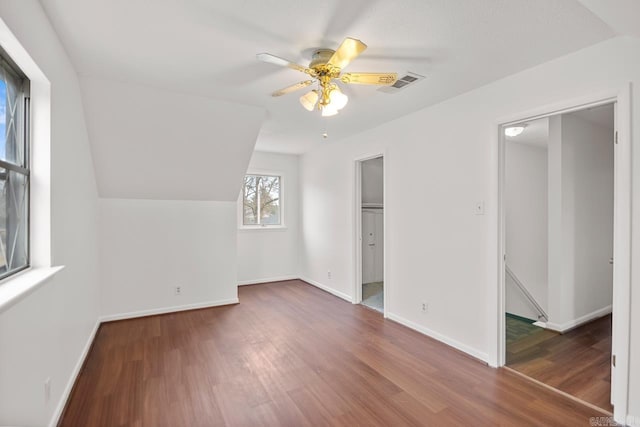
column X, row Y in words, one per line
column 292, row 355
column 577, row 362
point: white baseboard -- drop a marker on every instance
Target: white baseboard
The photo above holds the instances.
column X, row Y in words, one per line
column 74, row 375
column 633, row 421
column 164, row 310
column 572, row 324
column 438, row 336
column 268, row 280
column 327, row 289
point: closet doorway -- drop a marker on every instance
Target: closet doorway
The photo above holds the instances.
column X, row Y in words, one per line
column 370, row 211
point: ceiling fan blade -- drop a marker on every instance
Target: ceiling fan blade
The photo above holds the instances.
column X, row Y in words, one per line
column 347, row 52
column 272, row 59
column 292, row 88
column 369, row 78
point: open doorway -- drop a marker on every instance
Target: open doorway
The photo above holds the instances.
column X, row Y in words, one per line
column 558, row 200
column 371, row 246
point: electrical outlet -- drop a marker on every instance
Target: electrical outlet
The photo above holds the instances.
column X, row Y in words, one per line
column 178, row 290
column 425, row 307
column 329, row 275
column 47, row 389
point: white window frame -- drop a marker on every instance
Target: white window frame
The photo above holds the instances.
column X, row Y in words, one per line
column 23, row 169
column 262, row 172
column 14, row 288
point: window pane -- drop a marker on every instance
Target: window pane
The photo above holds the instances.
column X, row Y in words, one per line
column 250, row 200
column 14, row 235
column 261, row 201
column 270, row 200
column 12, row 148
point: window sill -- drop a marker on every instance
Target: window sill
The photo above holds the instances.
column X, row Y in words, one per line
column 266, row 228
column 15, row 288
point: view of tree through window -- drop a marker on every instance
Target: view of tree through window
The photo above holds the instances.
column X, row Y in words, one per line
column 261, row 200
column 14, row 172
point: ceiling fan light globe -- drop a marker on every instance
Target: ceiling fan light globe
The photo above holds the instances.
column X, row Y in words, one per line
column 338, row 99
column 329, row 110
column 309, row 100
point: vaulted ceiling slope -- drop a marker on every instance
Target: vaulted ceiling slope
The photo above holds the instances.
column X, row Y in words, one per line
column 155, row 144
column 621, row 15
column 208, row 48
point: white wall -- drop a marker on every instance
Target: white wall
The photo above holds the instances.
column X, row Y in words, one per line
column 582, row 285
column 592, row 148
column 448, row 257
column 577, row 223
column 526, row 225
column 45, row 334
column 272, row 254
column 148, row 247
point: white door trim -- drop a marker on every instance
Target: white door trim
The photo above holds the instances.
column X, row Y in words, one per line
column 622, row 233
column 357, row 229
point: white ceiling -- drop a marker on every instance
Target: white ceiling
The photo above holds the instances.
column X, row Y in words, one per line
column 208, row 48
column 536, row 133
column 153, row 144
column 620, row 15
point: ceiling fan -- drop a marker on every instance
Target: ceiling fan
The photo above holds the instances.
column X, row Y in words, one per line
column 326, row 66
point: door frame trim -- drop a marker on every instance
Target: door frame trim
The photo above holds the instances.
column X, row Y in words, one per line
column 621, row 97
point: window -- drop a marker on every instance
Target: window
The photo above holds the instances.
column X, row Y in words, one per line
column 14, row 168
column 262, row 201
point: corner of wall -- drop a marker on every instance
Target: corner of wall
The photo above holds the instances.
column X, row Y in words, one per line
column 327, row 289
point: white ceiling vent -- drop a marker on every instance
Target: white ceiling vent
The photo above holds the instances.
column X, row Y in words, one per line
column 402, row 83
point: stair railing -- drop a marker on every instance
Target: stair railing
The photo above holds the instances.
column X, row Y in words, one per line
column 542, row 315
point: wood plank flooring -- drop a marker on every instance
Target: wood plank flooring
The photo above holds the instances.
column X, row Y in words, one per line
column 577, row 362
column 292, row 355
